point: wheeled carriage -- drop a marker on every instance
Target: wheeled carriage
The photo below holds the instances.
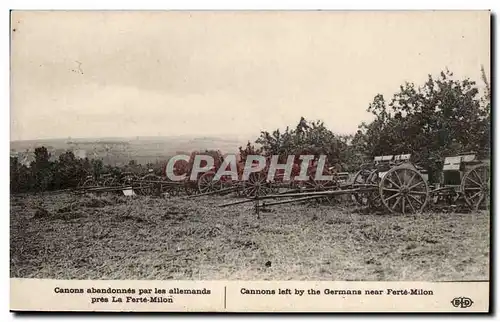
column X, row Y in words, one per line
column 464, row 177
column 396, row 184
column 404, row 187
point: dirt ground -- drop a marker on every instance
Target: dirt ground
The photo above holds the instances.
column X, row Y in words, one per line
column 118, row 237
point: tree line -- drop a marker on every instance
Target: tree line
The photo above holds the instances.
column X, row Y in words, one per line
column 442, row 117
column 66, row 172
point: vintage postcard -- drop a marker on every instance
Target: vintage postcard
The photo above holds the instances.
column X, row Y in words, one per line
column 250, row 161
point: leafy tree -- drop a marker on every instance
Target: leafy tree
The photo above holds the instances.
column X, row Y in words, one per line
column 42, row 169
column 305, row 138
column 443, row 117
column 69, row 171
column 21, row 177
column 97, row 167
column 249, row 149
column 14, row 174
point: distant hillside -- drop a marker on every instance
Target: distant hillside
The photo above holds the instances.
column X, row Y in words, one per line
column 118, row 151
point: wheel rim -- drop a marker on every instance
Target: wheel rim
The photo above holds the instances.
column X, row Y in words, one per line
column 404, row 190
column 206, row 183
column 256, row 185
column 374, row 199
column 128, row 179
column 106, row 183
column 190, row 187
column 476, row 187
column 368, row 198
column 322, row 185
column 89, row 183
column 361, row 178
column 148, row 188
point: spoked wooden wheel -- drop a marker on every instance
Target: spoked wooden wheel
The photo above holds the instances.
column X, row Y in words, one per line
column 371, row 198
column 374, row 199
column 110, row 182
column 128, row 179
column 360, row 178
column 256, row 185
column 190, row 187
column 476, row 187
column 148, row 188
column 207, row 183
column 89, row 182
column 322, row 185
column 404, row 190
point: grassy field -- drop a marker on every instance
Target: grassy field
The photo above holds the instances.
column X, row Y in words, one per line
column 117, row 237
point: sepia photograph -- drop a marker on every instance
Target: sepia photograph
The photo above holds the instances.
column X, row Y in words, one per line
column 250, row 146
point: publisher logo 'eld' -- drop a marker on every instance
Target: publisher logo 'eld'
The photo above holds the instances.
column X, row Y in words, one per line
column 462, row 302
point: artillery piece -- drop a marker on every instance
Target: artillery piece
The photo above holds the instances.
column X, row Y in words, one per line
column 400, row 186
column 466, row 177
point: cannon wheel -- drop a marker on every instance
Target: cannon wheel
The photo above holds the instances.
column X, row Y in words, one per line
column 476, row 186
column 207, row 183
column 256, row 185
column 128, row 179
column 149, row 188
column 190, row 187
column 322, row 185
column 90, row 182
column 374, row 199
column 110, row 182
column 404, row 190
column 367, row 198
column 360, row 178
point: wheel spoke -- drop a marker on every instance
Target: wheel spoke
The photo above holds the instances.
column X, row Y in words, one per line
column 389, row 179
column 477, row 175
column 412, row 177
column 416, row 185
column 375, row 201
column 411, row 205
column 395, row 204
column 397, row 176
column 393, row 196
column 470, row 179
column 403, row 204
column 474, row 195
column 486, row 176
column 420, row 193
column 389, row 189
column 250, row 192
column 480, row 200
column 416, row 199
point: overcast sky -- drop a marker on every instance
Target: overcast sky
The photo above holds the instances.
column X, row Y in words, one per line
column 112, row 74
